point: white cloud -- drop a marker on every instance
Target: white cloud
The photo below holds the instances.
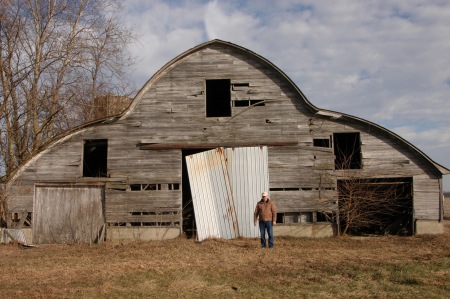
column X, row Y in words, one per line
column 231, row 26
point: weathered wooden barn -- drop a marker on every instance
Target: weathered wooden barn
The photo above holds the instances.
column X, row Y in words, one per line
column 201, row 140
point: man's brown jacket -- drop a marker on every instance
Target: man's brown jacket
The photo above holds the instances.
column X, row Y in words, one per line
column 265, row 211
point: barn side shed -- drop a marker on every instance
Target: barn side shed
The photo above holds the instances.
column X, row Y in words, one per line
column 129, row 173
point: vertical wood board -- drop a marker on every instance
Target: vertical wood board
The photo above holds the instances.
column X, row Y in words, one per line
column 67, row 214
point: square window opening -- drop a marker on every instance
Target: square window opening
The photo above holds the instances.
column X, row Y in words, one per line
column 95, row 156
column 321, row 142
column 347, row 150
column 241, row 103
column 218, row 98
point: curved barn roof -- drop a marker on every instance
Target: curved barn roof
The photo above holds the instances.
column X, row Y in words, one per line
column 314, row 109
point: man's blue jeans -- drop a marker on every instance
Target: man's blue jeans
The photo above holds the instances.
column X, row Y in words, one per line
column 263, row 226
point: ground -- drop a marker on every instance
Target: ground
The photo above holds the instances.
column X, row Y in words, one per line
column 336, row 267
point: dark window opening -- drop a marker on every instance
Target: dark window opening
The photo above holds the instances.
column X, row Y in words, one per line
column 301, row 189
column 297, row 217
column 218, row 98
column 257, row 103
column 325, row 217
column 95, row 156
column 151, row 187
column 347, row 150
column 22, row 219
column 285, row 189
column 174, row 186
column 321, row 142
column 248, row 103
column 241, row 103
column 147, row 187
column 135, row 187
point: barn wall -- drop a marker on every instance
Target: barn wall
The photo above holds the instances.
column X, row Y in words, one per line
column 127, row 166
column 172, row 112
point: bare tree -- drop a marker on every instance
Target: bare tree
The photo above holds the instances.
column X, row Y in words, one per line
column 2, row 206
column 376, row 206
column 56, row 57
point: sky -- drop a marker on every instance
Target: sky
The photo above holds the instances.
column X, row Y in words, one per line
column 384, row 61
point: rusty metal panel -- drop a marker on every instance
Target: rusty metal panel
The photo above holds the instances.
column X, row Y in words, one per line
column 226, row 185
column 249, row 176
column 214, row 208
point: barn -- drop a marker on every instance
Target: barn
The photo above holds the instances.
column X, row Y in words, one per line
column 210, row 131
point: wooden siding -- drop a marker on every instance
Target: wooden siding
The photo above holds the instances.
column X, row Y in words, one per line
column 172, row 111
column 301, row 201
column 143, row 206
column 426, row 198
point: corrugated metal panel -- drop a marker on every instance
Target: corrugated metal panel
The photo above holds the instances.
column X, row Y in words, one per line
column 16, row 234
column 214, row 209
column 249, row 175
column 225, row 186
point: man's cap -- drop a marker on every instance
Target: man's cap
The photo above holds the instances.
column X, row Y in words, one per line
column 264, row 193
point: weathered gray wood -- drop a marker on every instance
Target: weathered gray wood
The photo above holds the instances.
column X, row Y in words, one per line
column 67, row 214
column 171, row 116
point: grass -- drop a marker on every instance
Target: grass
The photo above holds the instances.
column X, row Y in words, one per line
column 347, row 267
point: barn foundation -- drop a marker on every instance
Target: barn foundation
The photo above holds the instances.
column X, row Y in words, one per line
column 429, row 227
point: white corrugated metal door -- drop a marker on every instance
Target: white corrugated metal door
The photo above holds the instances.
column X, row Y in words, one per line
column 249, row 176
column 226, row 185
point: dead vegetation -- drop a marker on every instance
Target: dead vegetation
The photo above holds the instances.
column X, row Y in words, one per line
column 356, row 267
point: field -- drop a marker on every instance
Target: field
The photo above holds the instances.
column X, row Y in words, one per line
column 345, row 267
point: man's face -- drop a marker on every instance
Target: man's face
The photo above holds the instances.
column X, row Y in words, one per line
column 265, row 198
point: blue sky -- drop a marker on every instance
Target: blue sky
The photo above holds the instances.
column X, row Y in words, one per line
column 384, row 61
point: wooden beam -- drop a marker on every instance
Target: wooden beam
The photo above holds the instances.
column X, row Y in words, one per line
column 165, row 146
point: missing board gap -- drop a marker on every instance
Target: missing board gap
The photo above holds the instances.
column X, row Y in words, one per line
column 248, row 103
column 239, row 86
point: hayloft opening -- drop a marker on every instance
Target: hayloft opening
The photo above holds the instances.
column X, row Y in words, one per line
column 347, row 150
column 95, row 156
column 218, row 98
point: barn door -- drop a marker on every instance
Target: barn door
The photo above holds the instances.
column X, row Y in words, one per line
column 226, row 185
column 68, row 214
column 249, row 177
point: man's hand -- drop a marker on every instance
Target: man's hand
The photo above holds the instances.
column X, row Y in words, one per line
column 274, row 223
column 255, row 223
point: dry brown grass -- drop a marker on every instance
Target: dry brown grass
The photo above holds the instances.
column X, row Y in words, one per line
column 380, row 267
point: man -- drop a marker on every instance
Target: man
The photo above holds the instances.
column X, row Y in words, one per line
column 267, row 213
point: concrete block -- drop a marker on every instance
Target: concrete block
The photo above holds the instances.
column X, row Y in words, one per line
column 429, row 227
column 141, row 233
